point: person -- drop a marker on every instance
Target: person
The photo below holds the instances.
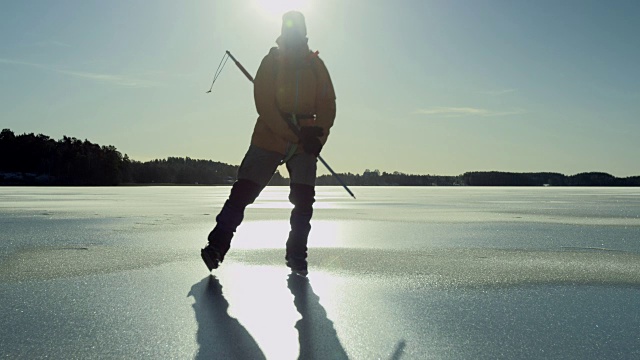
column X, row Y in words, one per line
column 295, row 100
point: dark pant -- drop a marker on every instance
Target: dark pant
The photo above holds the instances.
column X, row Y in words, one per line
column 256, row 169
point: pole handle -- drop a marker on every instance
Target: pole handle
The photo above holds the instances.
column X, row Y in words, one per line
column 244, row 71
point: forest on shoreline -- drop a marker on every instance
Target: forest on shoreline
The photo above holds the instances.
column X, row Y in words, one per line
column 29, row 159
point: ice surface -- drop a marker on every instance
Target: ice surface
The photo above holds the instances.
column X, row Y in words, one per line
column 415, row 273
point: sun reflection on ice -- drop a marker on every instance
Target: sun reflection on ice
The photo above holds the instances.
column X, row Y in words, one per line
column 273, row 234
column 259, row 299
column 287, row 317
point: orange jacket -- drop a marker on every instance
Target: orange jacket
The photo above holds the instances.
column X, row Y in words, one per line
column 291, row 82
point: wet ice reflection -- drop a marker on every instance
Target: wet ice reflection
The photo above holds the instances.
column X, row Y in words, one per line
column 258, row 312
column 274, row 233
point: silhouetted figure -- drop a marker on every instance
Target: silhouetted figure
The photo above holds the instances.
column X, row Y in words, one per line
column 317, row 336
column 292, row 84
column 219, row 335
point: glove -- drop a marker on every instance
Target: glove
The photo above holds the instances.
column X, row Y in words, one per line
column 309, row 137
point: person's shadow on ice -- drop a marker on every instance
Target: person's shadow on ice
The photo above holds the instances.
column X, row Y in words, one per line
column 219, row 335
column 316, row 334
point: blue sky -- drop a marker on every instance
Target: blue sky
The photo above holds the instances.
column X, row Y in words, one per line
column 424, row 87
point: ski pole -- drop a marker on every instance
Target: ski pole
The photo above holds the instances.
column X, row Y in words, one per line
column 244, row 71
column 294, row 128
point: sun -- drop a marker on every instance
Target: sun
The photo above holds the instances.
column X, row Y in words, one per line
column 279, row 7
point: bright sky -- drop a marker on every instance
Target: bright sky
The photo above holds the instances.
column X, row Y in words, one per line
column 424, row 87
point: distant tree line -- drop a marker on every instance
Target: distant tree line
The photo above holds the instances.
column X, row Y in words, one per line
column 38, row 159
column 480, row 178
column 177, row 170
column 375, row 178
column 30, row 159
column 495, row 178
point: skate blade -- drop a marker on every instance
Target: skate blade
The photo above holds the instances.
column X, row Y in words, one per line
column 302, row 273
column 211, row 262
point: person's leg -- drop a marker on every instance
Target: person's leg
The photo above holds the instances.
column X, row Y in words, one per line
column 256, row 169
column 302, row 171
column 243, row 193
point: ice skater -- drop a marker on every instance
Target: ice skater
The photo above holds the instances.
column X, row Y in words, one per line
column 292, row 86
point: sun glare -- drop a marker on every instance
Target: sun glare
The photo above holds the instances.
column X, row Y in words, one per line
column 278, row 7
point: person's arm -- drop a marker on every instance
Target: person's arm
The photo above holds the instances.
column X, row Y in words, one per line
column 325, row 100
column 265, row 98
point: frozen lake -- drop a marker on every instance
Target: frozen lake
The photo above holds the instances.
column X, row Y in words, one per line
column 400, row 273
